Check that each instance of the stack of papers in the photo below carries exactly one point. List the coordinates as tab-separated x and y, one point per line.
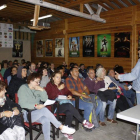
62	97
49	102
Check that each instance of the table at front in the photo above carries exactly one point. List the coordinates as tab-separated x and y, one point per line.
131	115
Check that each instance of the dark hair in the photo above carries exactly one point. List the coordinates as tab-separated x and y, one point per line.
90	68
40	70
2	85
53	75
13	68
71	69
32	77
81	65
109	71
22	61
60	67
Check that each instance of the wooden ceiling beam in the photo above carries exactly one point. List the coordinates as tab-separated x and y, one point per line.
109	4
118	3
104	6
127	3
136	2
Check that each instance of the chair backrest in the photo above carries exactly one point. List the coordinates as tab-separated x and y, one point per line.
16	98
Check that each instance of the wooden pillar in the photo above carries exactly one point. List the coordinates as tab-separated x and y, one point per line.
36	15
81	7
134	39
66	42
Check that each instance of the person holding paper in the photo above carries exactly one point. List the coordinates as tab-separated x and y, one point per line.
55	88
29	96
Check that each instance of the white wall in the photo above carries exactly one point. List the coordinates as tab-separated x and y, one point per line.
6	53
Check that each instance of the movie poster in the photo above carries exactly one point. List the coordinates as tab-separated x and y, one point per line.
49	47
17	49
59	47
39	48
6	35
139	40
74	46
122	45
104	45
88	46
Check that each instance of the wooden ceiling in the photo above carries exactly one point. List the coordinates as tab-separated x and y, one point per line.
19	12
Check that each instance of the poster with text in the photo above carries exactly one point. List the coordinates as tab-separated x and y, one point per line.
122	45
88	46
6	35
104	45
139	40
59	47
49	47
39	48
17	49
74	46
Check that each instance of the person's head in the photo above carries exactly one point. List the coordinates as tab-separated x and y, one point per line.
32	67
71	65
34	79
15	65
43	71
38	64
52	66
101	72
22	61
10	63
14	70
91	73
74	72
61	69
24	64
2	93
15	61
82	66
4	64
24	72
98	66
56	77
111	73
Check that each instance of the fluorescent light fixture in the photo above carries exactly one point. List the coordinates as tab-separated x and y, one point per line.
47	16
3	6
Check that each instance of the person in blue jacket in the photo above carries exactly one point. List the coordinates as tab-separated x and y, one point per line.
135	77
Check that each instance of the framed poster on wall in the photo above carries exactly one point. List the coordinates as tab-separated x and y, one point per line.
122	45
17	50
49	47
88	46
59	47
104	45
74	46
39	48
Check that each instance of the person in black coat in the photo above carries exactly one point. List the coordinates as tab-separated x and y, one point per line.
17	81
11	124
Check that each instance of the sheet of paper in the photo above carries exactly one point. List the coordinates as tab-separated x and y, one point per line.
49	102
62	97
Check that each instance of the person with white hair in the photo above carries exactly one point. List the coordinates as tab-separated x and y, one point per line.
108	97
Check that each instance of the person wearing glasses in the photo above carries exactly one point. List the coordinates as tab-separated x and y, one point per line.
29	96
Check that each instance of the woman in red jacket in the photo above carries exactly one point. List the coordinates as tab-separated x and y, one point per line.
55	88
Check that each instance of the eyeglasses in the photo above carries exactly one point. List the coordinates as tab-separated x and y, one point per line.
38	82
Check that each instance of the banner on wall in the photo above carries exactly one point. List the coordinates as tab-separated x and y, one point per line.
39	48
104	45
74	46
6	35
17	49
139	40
59	47
122	45
88	46
49	47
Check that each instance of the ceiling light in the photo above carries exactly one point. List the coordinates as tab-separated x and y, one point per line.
47	16
3	6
